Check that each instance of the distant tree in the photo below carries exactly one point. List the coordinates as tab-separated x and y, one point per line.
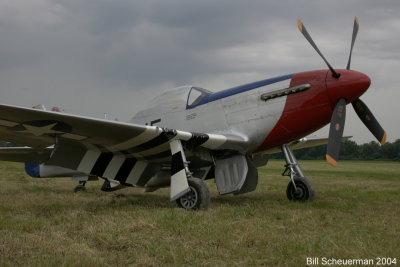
350	150
370	151
316	152
391	150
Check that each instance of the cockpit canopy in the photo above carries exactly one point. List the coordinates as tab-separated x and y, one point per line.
180	98
195	96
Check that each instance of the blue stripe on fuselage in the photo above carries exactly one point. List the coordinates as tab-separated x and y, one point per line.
239	89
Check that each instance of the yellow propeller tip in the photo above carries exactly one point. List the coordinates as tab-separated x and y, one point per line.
356	20
300	25
331	161
383	141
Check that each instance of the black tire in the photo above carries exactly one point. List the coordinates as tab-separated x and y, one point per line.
305	190
198	197
80	188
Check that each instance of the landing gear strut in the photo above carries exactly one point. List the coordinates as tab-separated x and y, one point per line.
81	187
190	193
299	187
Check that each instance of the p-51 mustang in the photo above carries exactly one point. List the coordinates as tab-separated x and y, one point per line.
191	134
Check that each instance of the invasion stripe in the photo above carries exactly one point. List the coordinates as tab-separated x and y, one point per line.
148	172
67	154
112	168
159	140
101	164
88	161
148	134
155	150
177	163
214	141
198	139
182	135
125	169
136	172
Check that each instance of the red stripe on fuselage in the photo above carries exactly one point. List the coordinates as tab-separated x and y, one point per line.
304	112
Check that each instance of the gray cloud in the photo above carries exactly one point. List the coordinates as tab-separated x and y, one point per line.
101	56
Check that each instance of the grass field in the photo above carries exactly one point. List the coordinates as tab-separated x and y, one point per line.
355	214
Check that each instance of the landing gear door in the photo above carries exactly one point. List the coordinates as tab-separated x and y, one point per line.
236	174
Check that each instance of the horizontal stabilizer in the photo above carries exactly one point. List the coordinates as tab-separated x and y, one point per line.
25	154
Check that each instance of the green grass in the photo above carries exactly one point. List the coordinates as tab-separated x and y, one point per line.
355	214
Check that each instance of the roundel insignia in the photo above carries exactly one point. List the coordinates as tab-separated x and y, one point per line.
47	128
367	117
42	127
337	126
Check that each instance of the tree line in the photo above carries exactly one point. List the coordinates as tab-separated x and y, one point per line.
349	150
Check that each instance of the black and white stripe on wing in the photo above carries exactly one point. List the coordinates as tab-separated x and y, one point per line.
163	138
125	170
101	163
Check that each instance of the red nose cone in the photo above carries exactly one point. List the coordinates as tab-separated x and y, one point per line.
350	85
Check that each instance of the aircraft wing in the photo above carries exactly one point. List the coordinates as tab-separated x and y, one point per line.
74	135
304	143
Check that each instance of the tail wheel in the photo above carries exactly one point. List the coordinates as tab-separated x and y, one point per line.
305	190
80	188
197	198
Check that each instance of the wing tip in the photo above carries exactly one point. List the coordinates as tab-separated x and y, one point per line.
331	161
383	141
300	25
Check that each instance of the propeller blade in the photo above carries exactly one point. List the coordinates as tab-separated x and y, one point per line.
310	40
336	132
353	39
369	120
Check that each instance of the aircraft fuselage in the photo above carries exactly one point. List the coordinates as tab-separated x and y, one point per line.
265	123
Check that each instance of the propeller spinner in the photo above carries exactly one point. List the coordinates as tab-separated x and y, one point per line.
339	112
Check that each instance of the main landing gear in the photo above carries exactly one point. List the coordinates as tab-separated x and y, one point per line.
299	187
197	198
190	193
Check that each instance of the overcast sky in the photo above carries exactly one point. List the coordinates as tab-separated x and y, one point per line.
94	57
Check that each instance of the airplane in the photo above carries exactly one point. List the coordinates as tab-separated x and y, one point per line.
190	134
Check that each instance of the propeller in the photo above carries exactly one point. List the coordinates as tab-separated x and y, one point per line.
369	120
339	113
353	40
305	33
336	132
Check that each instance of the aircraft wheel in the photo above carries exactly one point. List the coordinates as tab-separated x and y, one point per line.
80	188
197	198
305	190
